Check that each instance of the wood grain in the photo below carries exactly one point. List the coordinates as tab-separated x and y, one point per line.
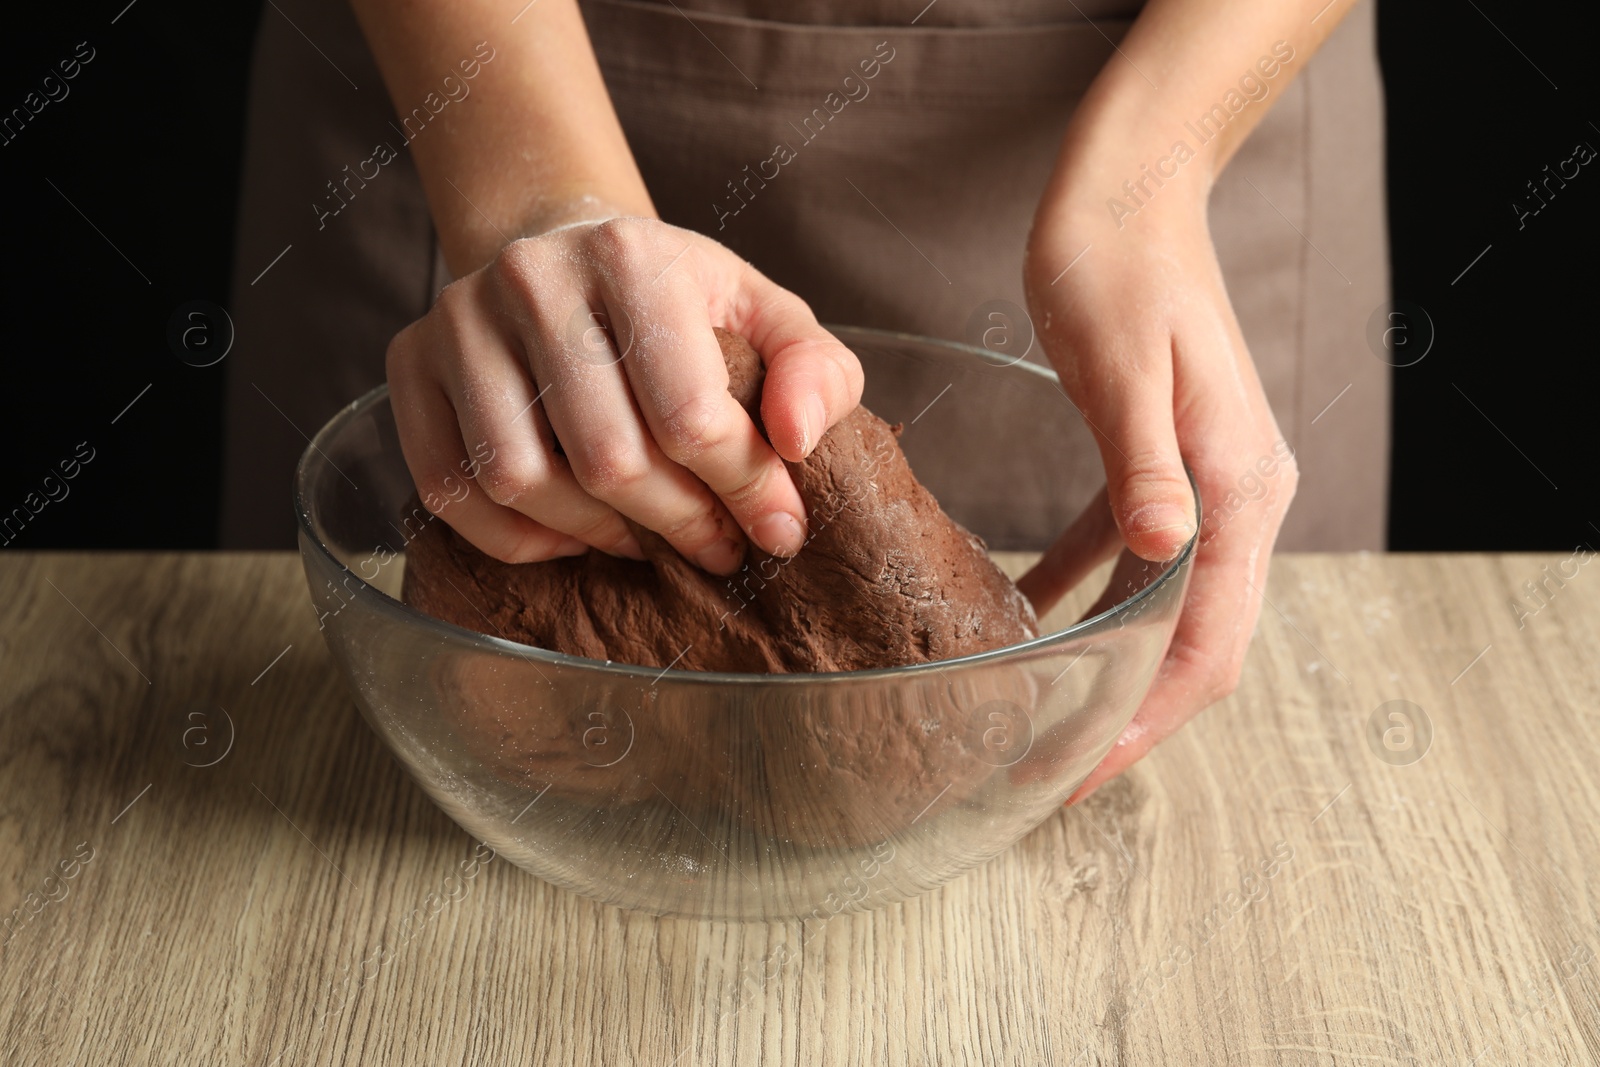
253	911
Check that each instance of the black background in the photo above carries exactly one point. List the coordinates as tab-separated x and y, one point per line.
1471	121
147	147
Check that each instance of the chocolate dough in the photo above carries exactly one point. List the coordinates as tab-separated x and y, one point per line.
829	766
886	579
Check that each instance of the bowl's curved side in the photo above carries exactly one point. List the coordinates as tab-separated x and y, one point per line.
713	795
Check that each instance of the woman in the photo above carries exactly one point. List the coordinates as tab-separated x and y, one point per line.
612	165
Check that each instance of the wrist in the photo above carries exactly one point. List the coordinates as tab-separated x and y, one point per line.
1104	200
1127	154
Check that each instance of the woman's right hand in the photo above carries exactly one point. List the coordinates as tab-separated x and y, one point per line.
576	380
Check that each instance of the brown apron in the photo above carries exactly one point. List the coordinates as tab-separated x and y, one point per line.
900	201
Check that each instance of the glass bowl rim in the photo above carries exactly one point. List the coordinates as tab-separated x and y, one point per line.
405	613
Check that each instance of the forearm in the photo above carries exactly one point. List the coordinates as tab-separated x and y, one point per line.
1190	81
527	143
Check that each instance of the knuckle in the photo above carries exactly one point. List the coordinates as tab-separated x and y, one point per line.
1216	673
522	545
695	530
838	372
608	468
1220	688
451	298
439	489
515	274
397	356
538	545
848	367
513	262
1150	473
693	428
824	355
1221	676
1289	477
754	487
604	528
1276	484
1221	685
618	240
510	477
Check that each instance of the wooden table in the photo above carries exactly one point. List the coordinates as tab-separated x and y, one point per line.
1264	889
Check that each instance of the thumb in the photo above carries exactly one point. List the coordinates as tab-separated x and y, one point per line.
1151	498
812	380
812	383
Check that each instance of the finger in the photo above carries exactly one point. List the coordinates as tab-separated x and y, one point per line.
1130	410
1092	539
430	439
1203	663
812	380
615	458
503	426
680	381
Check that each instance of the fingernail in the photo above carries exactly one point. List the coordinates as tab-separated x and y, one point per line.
779	533
812	420
723	557
629	546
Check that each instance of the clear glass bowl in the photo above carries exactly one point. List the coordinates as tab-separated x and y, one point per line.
747	796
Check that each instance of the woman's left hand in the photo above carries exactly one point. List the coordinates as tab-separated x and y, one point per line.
1136	320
